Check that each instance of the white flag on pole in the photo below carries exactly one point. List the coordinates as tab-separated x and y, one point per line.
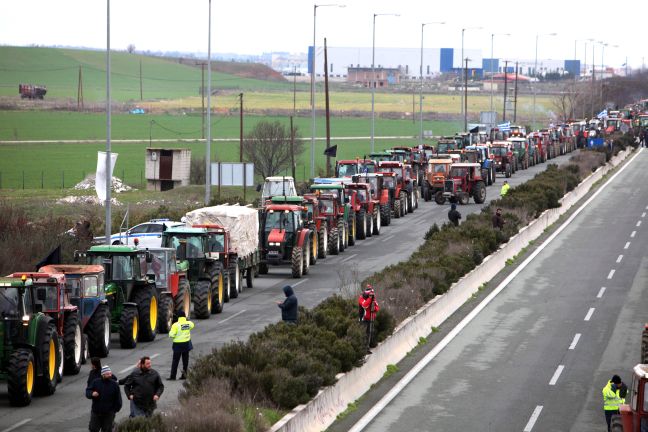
100	176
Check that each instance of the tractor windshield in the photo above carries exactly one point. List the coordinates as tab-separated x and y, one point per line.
326	206
216	243
458	171
50	304
368	167
389	182
362	195
439	168
9	302
118	266
499	151
194	246
347	170
279	220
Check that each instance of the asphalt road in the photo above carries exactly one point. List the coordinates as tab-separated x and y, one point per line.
68	410
537	356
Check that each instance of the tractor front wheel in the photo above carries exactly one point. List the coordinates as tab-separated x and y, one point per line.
508	172
50	362
129	328
306	255
314	247
370	225
72	344
322	243
98	331
385	212
218	292
397	208
377	222
165	317
21	374
334	242
183	297
479	193
147	308
297	262
439	198
463	198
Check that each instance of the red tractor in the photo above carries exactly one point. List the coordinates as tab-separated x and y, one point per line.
367	210
633	417
380	192
465	180
316	223
349	168
331	210
505	160
406	185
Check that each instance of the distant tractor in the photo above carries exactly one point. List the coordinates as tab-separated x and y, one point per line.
505	161
465	181
31	91
380	191
30	349
436	172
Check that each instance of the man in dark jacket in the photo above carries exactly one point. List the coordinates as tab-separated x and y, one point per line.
143	387
106	401
454	215
289	306
498	220
95	371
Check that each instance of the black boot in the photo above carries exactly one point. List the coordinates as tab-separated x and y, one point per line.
183	376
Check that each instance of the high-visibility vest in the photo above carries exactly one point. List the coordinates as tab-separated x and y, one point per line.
611	399
504	189
181	330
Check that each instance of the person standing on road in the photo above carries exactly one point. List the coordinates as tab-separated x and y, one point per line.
289	306
106	401
612	398
454	214
504	190
498	220
95	371
368	309
181	335
143	387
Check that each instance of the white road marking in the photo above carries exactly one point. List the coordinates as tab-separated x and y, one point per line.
295	284
389	237
627	245
638	223
620	258
17	425
600	293
556	375
380	405
123	371
533	419
575	341
589	314
611	274
643	214
240	312
633	233
350	257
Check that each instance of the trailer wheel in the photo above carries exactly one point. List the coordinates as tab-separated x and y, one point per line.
249	277
21	375
72	344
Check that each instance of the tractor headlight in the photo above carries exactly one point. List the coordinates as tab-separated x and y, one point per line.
25	320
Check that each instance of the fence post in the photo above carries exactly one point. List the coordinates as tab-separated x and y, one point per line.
23	179
63	179
0	180
42	182
123	176
141	179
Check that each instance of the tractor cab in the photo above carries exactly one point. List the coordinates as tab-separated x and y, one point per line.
445	145
277	185
349	168
380	156
465	180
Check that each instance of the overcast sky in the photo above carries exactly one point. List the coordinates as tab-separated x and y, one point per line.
257	26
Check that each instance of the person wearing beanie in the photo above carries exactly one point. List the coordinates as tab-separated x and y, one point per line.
613	398
289	306
106	401
454	215
181	335
95	371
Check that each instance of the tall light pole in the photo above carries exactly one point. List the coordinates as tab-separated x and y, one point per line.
492	72
108	129
315	6
463	30
208	141
373	77
535	73
421	89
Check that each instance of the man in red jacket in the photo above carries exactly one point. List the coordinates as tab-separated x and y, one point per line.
368	308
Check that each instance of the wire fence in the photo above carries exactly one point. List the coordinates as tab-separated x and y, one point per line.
62	179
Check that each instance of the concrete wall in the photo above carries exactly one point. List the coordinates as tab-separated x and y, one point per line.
321	412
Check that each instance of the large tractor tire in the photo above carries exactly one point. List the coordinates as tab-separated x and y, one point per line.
404	200
217	290
334	242
342	234
227	286
439	198
353	230
72	344
347	235
322	243
426	191
385	213
416	194
98	331
21	374
377	221
182	300
235	277
361	222
397	208
147	308
314	246
479	193
508	171
370	225
411	202
297	262
463	198
129	328
249	277
616	424
263	268
202	299
644	347
306	248
50	353
165	314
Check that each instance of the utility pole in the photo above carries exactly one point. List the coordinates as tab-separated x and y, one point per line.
202	97
328	114
465	110
141	90
241	129
515	94
80	91
505	89
292	147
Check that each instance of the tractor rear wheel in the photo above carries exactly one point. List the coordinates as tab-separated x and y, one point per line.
297	262
218	290
342	235
249	277
98	331
439	198
306	248
322	243
314	246
361	218
165	316
183	298
50	361
347	235
463	198
385	213
202	299
508	172
416	197
147	308
397	208
479	192
370	225
411	202
21	374
644	347
353	230
263	268
85	354
334	242
377	217
72	344
129	327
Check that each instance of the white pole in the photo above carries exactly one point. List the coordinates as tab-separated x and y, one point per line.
312	170
372	83
208	144
108	129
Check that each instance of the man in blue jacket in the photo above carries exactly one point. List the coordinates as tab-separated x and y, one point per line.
106	401
288	306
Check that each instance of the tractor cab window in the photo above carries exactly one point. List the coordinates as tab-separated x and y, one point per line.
90	286
122	268
347	170
368	168
216	243
326	206
297	220
28	302
439	169
362	195
9	302
459	172
74	286
194	247
50	294
389	182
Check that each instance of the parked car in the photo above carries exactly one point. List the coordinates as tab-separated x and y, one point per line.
144	235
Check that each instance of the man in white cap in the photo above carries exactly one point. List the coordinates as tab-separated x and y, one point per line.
106	401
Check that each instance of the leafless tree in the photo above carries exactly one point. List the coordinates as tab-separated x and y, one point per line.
130	48
268	147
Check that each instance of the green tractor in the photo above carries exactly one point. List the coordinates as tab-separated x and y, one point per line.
195	247
132	296
30	350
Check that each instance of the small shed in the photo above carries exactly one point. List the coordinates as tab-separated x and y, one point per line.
167	168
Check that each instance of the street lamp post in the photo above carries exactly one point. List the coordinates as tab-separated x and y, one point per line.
492	72
373	77
421	88
315	6
463	30
108	184
208	143
535	73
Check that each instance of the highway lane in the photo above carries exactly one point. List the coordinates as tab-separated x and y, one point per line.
538	355
68	410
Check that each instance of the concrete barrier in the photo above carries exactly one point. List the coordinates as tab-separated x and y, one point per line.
322	411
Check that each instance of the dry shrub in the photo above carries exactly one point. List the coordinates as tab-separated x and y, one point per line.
403	302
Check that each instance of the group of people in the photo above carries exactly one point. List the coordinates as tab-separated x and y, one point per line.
143	386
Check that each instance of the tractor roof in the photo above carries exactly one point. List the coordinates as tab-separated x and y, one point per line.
439	161
390	164
69	269
210	227
466	165
113	249
500	143
279	199
516	139
278	178
14	282
185	230
42	277
330	186
283	208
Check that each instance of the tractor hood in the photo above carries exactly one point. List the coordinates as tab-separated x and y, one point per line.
277	236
